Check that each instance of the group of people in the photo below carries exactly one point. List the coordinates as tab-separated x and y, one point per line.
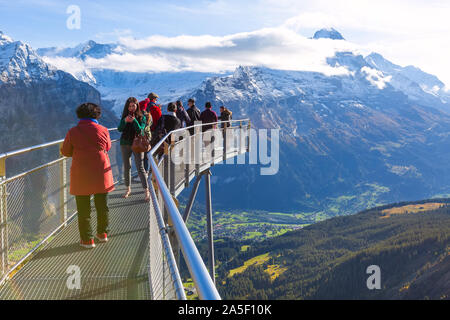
88	144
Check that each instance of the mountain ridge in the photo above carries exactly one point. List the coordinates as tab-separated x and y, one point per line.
337	132
329	260
37	102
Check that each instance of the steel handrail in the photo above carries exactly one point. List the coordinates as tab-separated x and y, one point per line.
178	284
200	275
202	280
36	147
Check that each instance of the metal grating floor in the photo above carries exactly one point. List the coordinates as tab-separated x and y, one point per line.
113	270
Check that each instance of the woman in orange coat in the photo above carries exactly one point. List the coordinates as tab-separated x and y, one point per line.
88	144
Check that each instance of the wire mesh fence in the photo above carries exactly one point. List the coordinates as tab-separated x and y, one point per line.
182	157
162	272
36	203
191	154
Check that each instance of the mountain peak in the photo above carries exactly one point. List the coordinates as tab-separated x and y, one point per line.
4	38
18	61
328	33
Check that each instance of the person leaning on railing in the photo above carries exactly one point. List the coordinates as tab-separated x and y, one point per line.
208	116
90	174
225	115
194	115
132	123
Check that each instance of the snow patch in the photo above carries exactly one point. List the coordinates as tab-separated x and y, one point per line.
376	77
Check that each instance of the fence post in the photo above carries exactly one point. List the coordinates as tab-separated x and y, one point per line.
198	150
166	175
209	225
3	219
187	159
224	142
172	167
169	179
249	127
240	137
63	190
212	143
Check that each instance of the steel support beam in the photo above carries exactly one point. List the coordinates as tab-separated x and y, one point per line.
209	226
188	209
63	190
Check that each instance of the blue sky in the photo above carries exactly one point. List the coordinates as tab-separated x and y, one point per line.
42	23
405	31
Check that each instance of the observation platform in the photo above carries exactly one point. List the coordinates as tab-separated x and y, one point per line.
40	255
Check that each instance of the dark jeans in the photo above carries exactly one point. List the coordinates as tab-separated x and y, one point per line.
84	215
146	162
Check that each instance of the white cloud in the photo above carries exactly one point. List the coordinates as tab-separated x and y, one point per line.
407	32
277	48
73	66
178	42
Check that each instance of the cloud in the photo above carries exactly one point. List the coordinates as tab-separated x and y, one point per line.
74	66
277	48
407	32
179	42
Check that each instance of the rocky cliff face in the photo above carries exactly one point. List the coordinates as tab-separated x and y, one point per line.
347	142
37	101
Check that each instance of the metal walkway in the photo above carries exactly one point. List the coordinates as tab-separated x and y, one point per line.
114	270
40	256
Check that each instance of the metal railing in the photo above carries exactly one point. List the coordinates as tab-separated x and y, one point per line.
36	204
175	161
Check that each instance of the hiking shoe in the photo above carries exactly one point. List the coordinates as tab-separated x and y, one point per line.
102	237
87	244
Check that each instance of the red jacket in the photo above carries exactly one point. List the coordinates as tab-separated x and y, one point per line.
91	172
156	113
143	105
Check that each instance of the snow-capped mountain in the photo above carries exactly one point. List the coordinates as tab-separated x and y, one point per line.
18	61
116	86
347	141
82	51
418	85
377	132
330	33
38	101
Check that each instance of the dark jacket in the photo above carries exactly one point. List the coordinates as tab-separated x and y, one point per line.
194	115
183	116
171	123
208	116
226	115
